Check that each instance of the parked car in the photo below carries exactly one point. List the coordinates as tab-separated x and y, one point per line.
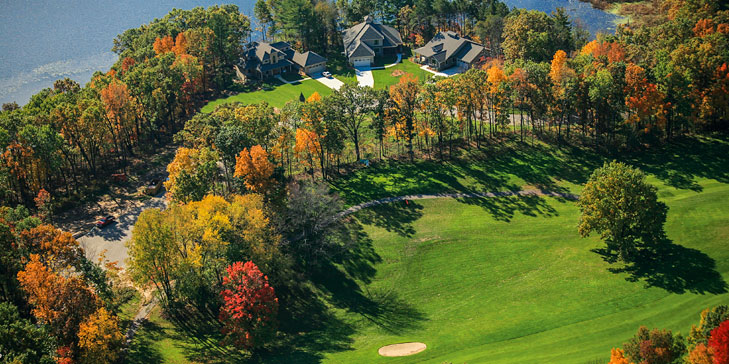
326	74
104	221
153	187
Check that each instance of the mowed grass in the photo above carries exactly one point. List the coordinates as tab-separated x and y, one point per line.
384	78
497	280
529	290
276	96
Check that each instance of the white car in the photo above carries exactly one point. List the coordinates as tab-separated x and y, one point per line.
326	74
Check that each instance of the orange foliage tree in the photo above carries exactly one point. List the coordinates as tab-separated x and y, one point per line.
62	303
163	45
255	168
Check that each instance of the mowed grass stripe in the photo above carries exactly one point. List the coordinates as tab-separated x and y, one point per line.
530	290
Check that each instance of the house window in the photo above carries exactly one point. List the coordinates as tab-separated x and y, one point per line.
376	42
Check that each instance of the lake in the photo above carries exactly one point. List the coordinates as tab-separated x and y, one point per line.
44	40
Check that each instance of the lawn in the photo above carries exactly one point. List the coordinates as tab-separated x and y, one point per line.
276	94
384	78
497	280
478	288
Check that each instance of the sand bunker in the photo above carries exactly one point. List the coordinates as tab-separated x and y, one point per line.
403	349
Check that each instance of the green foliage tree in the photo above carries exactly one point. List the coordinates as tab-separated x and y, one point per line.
623	208
21	341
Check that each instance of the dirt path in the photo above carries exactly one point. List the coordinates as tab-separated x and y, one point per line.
381	201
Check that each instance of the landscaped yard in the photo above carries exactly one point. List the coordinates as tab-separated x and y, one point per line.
497	280
276	94
384	77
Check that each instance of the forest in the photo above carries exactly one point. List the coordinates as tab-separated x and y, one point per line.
250	207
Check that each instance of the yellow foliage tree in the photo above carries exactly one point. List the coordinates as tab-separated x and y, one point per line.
100	338
255	168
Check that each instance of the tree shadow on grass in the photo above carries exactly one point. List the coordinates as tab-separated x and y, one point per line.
394	217
200	330
672	267
681	162
504	208
141	350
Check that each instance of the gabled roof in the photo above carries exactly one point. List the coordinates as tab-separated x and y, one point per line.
449	44
369	30
282	46
307	59
360	49
264	51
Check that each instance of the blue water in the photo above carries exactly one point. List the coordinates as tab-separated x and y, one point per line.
594	20
44	40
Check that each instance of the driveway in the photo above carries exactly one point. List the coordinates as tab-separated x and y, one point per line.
332	83
444	73
364	76
113	237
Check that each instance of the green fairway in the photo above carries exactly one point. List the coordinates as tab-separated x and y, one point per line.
384	78
494	280
477	289
277	96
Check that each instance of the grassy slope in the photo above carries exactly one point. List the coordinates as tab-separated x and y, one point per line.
384	79
277	96
501	280
529	290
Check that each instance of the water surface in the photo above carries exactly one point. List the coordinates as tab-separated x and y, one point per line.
44	40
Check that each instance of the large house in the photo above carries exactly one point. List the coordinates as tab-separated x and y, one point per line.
366	40
448	49
262	60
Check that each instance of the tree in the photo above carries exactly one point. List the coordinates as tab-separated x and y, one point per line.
249	307
710	319
655	347
62	303
99	338
355	103
617	357
152	252
719	343
310	223
255	168
701	354
21	341
192	174
404	96
623	208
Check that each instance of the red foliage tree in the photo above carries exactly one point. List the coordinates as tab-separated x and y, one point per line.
719	343
250	306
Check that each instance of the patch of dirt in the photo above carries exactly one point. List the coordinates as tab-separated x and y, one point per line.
120	198
397	73
403	349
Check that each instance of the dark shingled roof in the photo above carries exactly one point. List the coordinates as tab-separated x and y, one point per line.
369	30
307	59
449	44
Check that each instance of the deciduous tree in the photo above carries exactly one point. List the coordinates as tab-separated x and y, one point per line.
99	338
249	307
623	208
255	168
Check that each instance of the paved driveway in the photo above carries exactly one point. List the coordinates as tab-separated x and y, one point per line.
113	237
364	76
444	73
332	83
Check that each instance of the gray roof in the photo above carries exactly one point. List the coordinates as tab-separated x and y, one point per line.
264	51
257	52
449	44
359	49
307	59
369	30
